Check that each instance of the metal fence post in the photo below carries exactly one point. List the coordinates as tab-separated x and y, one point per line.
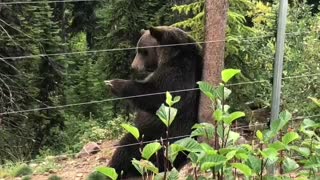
278	66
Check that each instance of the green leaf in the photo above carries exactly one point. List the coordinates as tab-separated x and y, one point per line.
269	153
150	149
227	74
176	99
167	114
290	165
132	130
233	116
204	130
233	137
277	125
109	172
212	161
259	135
227	93
168	99
316	101
207	89
307	123
231	154
208	149
277	146
218	114
189	144
137	165
242	155
174	150
246	170
289	137
171	175
304	151
254	163
143	166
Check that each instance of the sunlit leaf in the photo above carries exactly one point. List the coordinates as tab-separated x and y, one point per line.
207	89
174	150
167	114
289	137
150	149
233	116
259	135
189	144
227	74
109	172
212	161
132	130
204	130
246	170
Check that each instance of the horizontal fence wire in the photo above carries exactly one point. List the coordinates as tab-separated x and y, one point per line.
143	95
112	146
144	47
47	2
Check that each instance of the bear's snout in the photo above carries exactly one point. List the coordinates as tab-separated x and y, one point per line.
137	65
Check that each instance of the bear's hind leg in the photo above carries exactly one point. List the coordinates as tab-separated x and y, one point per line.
121	159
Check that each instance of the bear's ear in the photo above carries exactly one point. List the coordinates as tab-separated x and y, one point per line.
142	31
156	33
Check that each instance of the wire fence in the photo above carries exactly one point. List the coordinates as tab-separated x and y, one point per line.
144	47
115	146
141	95
144	95
47	2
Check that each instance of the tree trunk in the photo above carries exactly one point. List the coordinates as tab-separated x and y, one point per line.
215	30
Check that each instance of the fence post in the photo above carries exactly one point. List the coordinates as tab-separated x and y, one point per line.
278	67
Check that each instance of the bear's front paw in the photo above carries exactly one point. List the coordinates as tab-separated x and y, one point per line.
117	86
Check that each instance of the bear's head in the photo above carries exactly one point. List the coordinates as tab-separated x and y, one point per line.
158	44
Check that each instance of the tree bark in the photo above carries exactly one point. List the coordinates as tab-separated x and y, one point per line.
215	30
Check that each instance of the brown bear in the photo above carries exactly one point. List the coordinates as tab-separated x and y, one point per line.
175	60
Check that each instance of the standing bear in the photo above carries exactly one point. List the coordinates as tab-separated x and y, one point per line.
175	61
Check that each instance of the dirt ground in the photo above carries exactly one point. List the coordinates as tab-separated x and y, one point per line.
80	168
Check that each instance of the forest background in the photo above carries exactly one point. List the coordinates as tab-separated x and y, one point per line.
37	69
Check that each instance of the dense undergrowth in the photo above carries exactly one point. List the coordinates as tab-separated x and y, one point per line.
293	152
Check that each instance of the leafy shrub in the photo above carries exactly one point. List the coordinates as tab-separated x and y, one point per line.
26	178
80	130
96	176
54	177
21	170
296	153
48	164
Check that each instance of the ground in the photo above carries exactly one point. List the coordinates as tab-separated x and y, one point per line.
79	168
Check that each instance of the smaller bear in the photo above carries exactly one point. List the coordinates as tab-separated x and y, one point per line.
175	61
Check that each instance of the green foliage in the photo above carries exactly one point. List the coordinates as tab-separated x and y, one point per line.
144	166
132	130
223	160
26	178
47	164
109	172
72	78
54	177
250	46
150	149
96	176
21	170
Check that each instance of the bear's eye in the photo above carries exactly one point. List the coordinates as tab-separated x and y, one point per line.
144	52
